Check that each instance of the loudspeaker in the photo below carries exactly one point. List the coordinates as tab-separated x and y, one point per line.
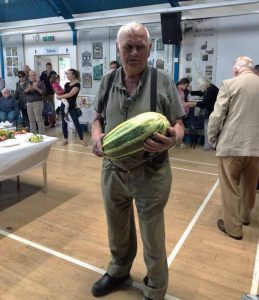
171	28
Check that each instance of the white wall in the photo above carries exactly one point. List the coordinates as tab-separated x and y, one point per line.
63	44
230	37
237	36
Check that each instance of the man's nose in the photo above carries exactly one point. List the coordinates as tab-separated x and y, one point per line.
134	51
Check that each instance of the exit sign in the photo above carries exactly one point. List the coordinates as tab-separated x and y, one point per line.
49	38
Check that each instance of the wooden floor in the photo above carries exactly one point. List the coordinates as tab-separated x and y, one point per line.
54	246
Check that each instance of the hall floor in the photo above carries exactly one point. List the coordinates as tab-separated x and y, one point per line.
54	246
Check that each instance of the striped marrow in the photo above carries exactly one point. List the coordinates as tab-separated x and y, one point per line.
128	137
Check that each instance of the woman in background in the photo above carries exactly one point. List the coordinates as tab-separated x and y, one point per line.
71	90
210	92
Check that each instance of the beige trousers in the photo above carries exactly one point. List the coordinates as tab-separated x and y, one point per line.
34	110
238	177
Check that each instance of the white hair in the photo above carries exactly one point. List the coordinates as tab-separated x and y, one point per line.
203	83
5	90
131	28
243	62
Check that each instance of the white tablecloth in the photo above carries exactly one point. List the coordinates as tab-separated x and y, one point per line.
15	160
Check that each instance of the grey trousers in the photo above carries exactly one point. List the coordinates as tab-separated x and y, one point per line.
238	177
34	110
150	187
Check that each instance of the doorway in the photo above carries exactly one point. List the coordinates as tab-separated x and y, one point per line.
60	63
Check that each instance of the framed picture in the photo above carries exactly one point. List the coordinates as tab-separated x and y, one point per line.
86	59
98	72
160	64
97	50
14	51
159	45
8	51
87	80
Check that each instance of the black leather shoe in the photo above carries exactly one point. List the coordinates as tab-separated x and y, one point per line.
106	284
221	227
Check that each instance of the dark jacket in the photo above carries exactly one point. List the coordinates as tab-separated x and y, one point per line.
209	99
20	95
45	78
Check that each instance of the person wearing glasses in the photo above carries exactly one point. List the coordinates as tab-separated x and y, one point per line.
21	97
149	184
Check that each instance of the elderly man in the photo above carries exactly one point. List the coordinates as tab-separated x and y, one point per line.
149	184
234	125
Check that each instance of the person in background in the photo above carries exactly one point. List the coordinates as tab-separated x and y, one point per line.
49	94
26	69
8	107
71	91
54	82
234	128
34	91
114	65
183	90
21	97
149	183
207	105
256	71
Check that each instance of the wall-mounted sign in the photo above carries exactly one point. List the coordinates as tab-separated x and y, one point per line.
50	50
48	38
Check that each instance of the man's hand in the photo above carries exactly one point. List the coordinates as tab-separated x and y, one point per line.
159	142
97	144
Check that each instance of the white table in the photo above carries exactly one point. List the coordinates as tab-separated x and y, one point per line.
17	159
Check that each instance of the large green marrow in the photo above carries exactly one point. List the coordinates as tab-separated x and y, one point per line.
128	137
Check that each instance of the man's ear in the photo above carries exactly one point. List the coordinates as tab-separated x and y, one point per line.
117	48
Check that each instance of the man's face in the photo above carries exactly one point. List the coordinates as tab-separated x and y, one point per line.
134	50
32	76
113	67
5	93
48	68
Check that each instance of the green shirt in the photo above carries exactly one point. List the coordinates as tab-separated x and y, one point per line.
120	108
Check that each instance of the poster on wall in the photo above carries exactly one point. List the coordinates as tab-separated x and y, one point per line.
97	50
87	80
86	59
12	61
98	72
199	48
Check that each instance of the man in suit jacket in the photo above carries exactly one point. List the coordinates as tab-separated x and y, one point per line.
234	123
